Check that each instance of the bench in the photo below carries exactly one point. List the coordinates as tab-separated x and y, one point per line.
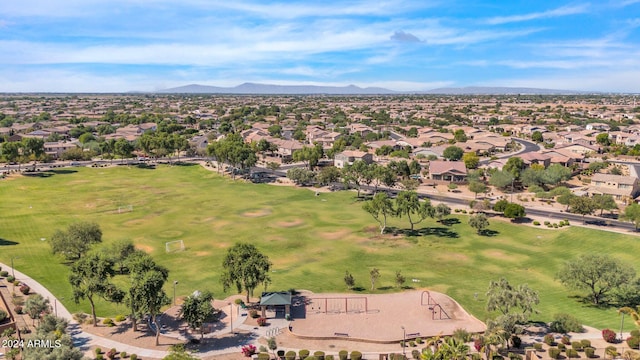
414	335
341	334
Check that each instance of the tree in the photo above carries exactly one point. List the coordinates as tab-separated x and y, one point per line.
139	263
532	176
582	205
555	174
76	240
328	175
11	151
408	203
379	207
374	275
452	153
479	222
178	352
477	187
514	166
400	280
566	198
597	273
355	173
500	205
515	304
123	148
349	280
36	306
632	214
273	166
537	136
151	295
196	309
604	202
459	136
52	330
301	176
471	160
90	277
33	147
514	211
501	179
441	211
603	139
246	268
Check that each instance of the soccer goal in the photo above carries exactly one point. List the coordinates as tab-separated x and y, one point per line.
126	208
173	246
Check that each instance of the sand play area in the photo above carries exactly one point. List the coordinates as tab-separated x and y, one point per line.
378	318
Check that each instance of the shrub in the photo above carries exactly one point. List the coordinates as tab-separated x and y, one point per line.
537	346
108	322
415	354
514	356
562	346
290	355
565	323
262	321
263	356
572	353
635	332
576	345
554	352
133	357
462	335
633	342
238	301
303	354
478	344
25	289
4	273
548	339
123	354
565	340
516	341
609	335
536	223
254	313
111	354
98	351
343	354
262	348
476	356
248	350
412	343
120	318
99	357
3	315
10	279
547	223
611	351
18	309
328	357
16	283
589	352
403	344
419	340
585	343
319	355
356	355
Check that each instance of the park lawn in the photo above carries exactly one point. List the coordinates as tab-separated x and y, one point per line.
311	240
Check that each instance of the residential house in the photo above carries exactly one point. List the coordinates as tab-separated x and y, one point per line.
531	158
622	188
56	149
286	148
348	157
447	171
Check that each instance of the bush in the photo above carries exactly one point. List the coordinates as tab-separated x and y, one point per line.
611	351
514	356
10	279
262	321
420	341
263	356
537	346
328	357
562	346
565	323
609	335
18	309
415	354
536	223
462	335
4	273
589	352
99	357
111	354
565	340
576	345
238	301
98	351
548	339
108	322
290	355
133	357
554	352
123	354
303	354
516	341
343	354
585	343
356	355
319	355
3	315
635	332
547	223
248	350
633	342
25	289
254	313
263	349
412	343
572	353
120	318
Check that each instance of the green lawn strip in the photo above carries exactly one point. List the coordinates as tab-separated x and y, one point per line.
312	240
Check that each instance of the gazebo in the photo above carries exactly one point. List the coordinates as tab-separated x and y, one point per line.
282	298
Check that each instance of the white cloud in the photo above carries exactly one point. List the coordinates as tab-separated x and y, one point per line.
604	81
561	11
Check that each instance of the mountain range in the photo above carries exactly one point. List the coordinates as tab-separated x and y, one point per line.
269	89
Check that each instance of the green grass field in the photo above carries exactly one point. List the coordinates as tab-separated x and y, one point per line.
311	240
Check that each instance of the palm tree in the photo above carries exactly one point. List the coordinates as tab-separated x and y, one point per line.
454	349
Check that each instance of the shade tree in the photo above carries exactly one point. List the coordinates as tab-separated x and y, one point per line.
76	240
245	267
408	204
380	208
196	309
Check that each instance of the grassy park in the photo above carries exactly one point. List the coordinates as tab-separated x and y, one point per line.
311	240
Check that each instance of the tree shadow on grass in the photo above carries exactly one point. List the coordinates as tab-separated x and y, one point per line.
438	231
146	166
184	164
5	242
587	301
63	171
49	173
385	288
488	233
358	288
450	221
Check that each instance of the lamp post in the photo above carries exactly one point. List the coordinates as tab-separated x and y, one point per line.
175	282
621	327
404	340
231	315
12	271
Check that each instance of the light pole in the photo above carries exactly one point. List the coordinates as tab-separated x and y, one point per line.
231	316
621	327
404	340
175	282
12	271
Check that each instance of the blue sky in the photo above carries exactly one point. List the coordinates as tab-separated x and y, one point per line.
123	45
